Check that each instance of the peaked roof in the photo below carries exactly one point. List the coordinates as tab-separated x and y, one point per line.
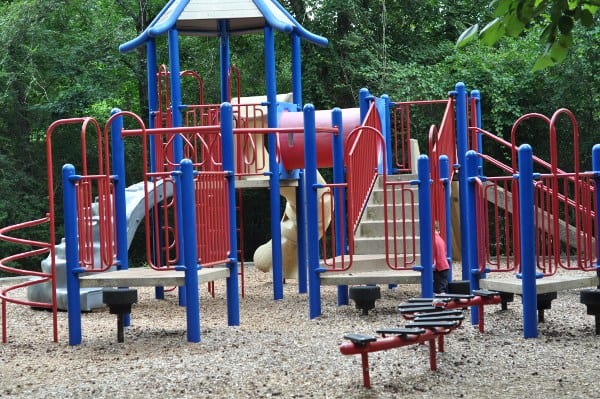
205	17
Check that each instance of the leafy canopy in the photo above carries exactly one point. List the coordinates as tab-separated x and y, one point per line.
557	17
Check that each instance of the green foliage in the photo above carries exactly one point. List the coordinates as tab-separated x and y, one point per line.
557	17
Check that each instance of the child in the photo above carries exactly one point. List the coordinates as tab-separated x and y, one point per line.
441	269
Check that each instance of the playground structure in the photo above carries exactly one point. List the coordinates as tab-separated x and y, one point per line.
197	155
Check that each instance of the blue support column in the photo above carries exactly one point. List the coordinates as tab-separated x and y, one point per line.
527	241
118	165
339	197
312	209
477	96
274	185
296	69
301	234
426	238
72	253
233	302
190	255
224	60
118	162
151	71
364	98
461	150
596	169
177	119
471	261
445	177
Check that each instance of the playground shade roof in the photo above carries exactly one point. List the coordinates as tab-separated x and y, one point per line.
206	18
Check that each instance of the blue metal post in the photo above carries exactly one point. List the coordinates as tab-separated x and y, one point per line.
296	69
364	98
176	105
384	115
72	254
177	119
596	169
233	302
190	255
445	177
470	262
339	199
151	71
118	164
301	234
527	241
274	185
426	239
224	51
477	96
118	158
461	150
312	209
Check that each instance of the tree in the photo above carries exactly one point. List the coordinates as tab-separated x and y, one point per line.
558	17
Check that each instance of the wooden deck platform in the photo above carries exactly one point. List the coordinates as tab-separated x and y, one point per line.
367	269
147	277
373	277
543	285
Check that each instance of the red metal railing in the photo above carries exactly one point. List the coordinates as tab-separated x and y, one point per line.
96	227
366	147
401	211
564	206
87	128
402	127
442	141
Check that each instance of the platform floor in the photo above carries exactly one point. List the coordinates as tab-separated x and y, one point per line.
374	277
147	277
543	285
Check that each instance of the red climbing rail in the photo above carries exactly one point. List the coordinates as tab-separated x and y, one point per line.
564	204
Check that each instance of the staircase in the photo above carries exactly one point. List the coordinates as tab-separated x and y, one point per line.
370	264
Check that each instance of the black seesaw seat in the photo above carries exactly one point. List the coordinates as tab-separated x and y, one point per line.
444	302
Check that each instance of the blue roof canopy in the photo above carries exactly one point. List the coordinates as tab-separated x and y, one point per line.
203	17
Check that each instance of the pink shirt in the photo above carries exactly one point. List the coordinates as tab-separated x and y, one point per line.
440	261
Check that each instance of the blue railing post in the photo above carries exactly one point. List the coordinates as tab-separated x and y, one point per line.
471	261
190	255
224	59
118	165
312	209
445	177
477	96
118	158
461	150
426	239
364	98
151	71
72	253
527	241
301	234
339	199
296	68
227	150
274	184
596	169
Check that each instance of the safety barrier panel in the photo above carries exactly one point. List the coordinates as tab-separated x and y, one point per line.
401	211
402	127
365	146
564	206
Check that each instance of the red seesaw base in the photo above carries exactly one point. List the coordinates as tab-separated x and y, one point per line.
430	320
